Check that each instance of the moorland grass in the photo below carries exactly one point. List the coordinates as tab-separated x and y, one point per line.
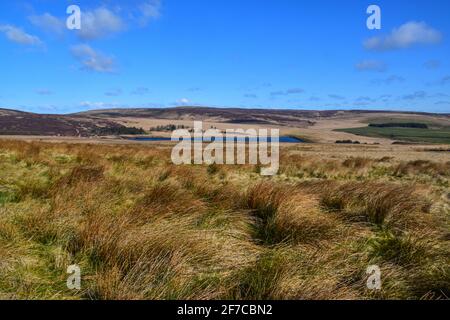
142	228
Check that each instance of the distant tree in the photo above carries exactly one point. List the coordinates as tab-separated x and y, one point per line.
399	125
113	131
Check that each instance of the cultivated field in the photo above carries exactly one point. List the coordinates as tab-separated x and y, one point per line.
142	228
405	129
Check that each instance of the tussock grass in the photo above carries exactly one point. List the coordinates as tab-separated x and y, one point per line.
142	228
288	214
423	167
384	204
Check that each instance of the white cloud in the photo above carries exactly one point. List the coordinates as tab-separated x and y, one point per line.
371	65
17	35
48	23
407	35
183	101
99	23
99	105
150	10
115	105
92	60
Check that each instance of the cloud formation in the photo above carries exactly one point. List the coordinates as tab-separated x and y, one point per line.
389	80
48	23
416	95
92	60
99	105
183	102
287	92
407	35
19	36
99	23
371	65
150	10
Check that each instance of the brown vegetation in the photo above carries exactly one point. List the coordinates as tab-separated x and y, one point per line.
143	228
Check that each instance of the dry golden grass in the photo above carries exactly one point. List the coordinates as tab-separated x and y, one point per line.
142	228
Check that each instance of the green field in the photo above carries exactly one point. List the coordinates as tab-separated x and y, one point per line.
403	134
438	123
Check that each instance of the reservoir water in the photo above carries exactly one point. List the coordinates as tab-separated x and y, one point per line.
282	139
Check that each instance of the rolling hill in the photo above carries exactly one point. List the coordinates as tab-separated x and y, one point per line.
319	125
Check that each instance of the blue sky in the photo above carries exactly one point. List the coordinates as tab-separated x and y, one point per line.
231	53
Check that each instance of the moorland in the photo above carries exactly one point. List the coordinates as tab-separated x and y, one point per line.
140	227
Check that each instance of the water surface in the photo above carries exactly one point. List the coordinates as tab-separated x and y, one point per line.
282	139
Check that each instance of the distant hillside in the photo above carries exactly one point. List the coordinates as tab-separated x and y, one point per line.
165	113
238	115
23	123
100	122
228	115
